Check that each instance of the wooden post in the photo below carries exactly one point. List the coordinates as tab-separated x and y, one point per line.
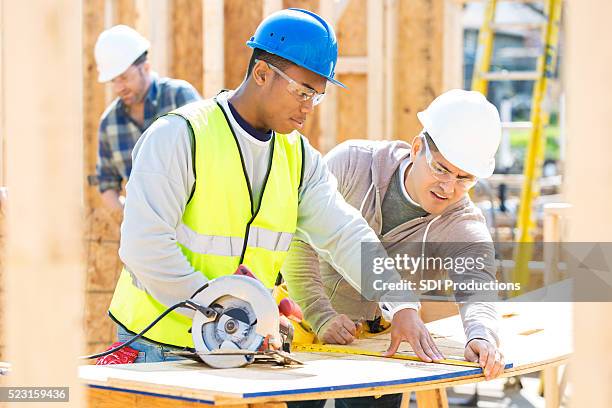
435	398
213	55
553	233
376	64
419	62
270	6
391	8
158	20
452	58
241	20
187	42
328	110
588	170
42	103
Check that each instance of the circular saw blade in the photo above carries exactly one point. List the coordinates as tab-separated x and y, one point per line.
247	314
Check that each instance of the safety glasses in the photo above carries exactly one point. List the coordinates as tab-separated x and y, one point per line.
300	92
443	175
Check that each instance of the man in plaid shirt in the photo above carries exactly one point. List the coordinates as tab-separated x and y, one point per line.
142	96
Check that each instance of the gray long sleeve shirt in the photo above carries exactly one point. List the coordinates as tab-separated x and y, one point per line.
158	190
364	170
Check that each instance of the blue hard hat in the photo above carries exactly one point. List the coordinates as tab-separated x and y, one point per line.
301	37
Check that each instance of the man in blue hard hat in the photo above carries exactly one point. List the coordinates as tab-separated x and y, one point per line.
231	180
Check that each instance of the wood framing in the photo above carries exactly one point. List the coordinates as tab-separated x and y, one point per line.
241	20
270	6
586	185
187	42
419	62
43	124
213	56
376	64
158	19
328	111
452	47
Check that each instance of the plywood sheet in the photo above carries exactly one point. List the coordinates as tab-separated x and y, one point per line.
531	341
352	113
320	374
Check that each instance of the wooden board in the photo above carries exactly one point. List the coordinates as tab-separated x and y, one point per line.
531	342
42	119
418	77
187	42
241	19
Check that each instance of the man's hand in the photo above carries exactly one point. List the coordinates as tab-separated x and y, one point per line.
408	326
487	355
338	330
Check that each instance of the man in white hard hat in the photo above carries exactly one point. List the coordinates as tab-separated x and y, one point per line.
142	96
410	194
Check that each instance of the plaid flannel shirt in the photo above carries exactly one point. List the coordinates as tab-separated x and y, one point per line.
118	132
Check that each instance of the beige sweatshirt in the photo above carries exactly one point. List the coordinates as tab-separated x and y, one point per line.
364	170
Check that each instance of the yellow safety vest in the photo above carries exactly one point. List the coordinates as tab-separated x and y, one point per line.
220	228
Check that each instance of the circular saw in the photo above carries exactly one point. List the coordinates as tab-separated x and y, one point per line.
245	324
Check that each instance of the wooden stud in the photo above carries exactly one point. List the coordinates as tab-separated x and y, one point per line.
352	65
43	124
213	22
419	62
452	58
2	143
158	17
390	46
555	215
375	86
435	398
328	110
125	12
271	6
585	186
241	20
352	111
94	99
551	387
187	42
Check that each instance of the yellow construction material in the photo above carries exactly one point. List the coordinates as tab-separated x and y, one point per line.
535	150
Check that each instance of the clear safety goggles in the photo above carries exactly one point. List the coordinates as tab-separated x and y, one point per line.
443	175
300	92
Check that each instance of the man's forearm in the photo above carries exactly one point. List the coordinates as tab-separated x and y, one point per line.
112	200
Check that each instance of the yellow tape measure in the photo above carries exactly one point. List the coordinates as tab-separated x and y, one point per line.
328	348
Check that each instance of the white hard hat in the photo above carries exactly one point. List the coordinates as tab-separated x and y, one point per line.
116	49
466	130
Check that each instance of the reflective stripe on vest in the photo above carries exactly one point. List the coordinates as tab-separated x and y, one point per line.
220	218
232	246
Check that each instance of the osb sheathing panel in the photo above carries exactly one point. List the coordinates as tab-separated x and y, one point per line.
101	225
241	20
98	326
103	265
93	93
187	42
351	30
352	117
418	65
